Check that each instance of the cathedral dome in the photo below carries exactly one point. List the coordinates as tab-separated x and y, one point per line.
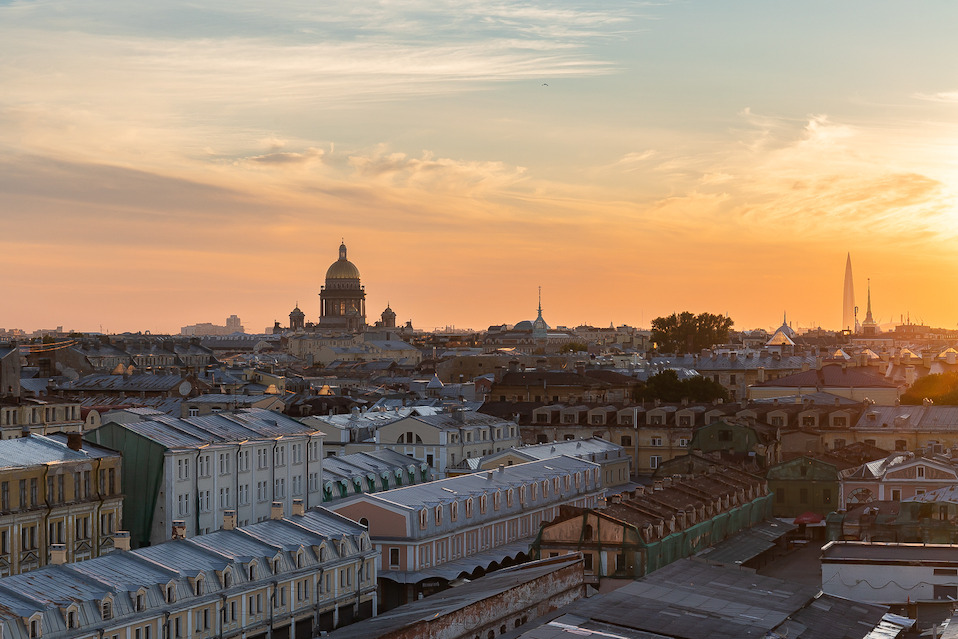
342	269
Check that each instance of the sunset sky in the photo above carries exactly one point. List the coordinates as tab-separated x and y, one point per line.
168	163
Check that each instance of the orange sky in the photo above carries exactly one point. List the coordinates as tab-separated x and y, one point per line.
171	165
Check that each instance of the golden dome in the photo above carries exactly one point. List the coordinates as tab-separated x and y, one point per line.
342	269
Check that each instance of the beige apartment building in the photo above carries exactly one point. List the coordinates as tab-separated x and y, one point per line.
56	491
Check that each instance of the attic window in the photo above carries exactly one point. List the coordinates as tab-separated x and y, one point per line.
170	593
106	609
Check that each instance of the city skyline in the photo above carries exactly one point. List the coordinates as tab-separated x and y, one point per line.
172	164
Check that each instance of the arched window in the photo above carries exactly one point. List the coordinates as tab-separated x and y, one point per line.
364	522
587	532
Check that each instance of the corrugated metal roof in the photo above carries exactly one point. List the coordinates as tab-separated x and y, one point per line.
190	432
37	449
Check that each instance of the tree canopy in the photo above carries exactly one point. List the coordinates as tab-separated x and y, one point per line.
667	387
689	333
941	389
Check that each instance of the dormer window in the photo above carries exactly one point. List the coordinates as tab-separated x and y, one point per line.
227	578
198	585
300	558
106	609
469	507
36	626
438	515
482	504
423	518
73	620
251	571
535	491
454	511
496	500
170	593
140	600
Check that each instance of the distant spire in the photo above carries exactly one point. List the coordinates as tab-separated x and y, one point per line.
848	298
540	301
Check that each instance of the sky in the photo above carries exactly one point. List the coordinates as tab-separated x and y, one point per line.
171	163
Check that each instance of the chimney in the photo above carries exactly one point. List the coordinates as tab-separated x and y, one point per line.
74	441
667	482
639	491
804	366
502	468
298	509
616	499
229	519
58	554
276	510
490	474
179	529
121	540
25	430
657	485
761	374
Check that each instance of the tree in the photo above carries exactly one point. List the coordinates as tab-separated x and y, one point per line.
941	389
667	387
689	333
573	347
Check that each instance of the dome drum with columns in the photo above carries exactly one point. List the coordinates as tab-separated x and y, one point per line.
343	299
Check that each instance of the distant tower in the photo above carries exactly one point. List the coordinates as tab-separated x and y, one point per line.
848	302
869	326
297	319
389	317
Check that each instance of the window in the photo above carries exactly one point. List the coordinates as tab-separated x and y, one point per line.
203	466
896	494
469	507
654	461
224	459
901	444
656	441
394	558
182	468
921	471
803	495
106	609
840	422
626	440
725	435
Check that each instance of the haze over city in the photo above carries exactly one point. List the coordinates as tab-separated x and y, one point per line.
178	162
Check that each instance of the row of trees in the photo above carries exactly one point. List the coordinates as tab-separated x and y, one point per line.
941	389
689	333
667	387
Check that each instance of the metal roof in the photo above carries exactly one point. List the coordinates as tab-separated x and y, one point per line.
747	544
37	449
690	599
447	490
218	428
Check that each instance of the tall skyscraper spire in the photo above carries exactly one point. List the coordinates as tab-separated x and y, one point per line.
848	301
